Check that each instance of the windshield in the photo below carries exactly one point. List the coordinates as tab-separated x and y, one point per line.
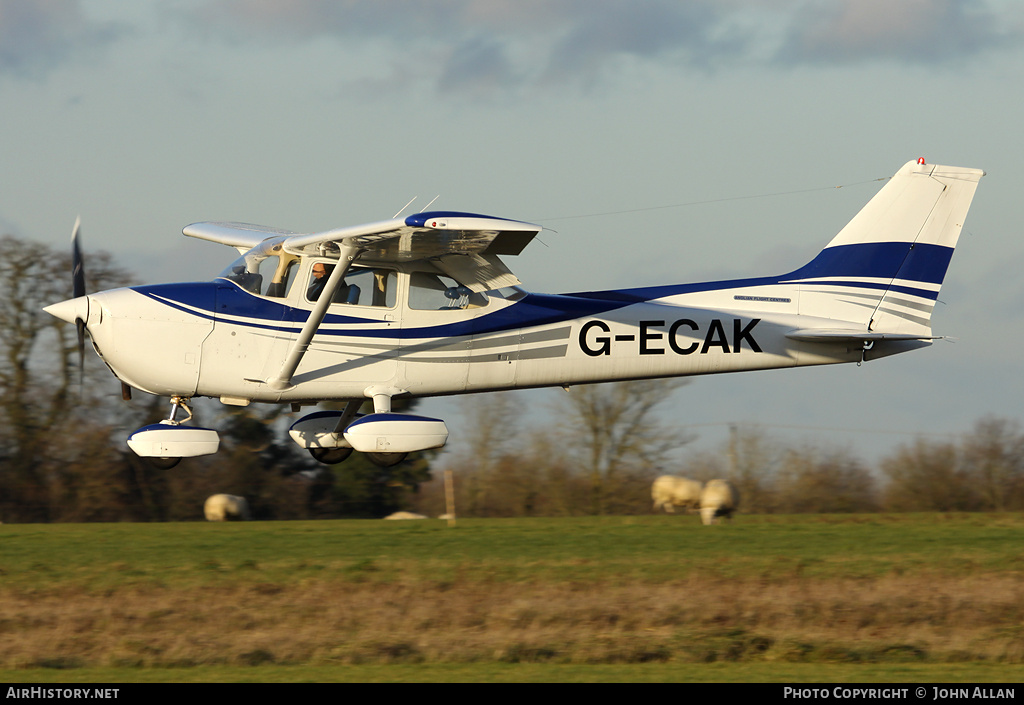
264	270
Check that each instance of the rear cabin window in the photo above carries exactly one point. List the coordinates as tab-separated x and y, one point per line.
436	292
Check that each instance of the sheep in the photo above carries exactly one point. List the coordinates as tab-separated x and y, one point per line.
405	515
719	499
669	492
226	507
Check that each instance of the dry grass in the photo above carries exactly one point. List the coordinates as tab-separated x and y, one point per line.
915	618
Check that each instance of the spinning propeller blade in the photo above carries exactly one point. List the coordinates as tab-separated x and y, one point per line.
77	269
78	289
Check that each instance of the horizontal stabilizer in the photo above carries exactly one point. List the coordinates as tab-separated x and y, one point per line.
839	335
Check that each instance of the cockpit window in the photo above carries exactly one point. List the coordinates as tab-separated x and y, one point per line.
439	292
362	286
265	270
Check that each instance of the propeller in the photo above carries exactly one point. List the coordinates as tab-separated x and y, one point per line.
76	309
78	290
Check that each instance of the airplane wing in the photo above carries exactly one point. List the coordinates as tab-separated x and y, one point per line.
463	245
425	235
241	236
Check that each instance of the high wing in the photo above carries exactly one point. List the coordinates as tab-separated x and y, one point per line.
241	236
464	245
425	235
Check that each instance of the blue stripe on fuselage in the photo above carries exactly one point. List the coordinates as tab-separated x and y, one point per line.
881	260
873	260
205	299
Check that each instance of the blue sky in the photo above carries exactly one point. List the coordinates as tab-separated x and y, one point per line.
653	138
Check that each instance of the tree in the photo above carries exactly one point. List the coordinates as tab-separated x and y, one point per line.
489	430
38	373
928	476
993	457
754	462
812	480
619	441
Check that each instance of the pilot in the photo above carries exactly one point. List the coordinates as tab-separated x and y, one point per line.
319	280
321	273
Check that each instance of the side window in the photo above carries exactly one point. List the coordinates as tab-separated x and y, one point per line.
362	286
370	287
429	292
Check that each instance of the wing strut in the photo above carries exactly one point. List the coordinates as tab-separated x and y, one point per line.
283	380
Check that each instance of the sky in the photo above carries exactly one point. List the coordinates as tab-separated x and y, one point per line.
657	141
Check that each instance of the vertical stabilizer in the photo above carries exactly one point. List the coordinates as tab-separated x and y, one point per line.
883	270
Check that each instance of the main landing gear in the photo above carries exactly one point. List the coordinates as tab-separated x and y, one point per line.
384	437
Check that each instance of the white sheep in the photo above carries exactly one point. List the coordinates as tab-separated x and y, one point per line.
669	492
404	515
719	499
226	507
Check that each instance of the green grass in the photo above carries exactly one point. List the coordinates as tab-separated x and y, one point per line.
925	597
572	549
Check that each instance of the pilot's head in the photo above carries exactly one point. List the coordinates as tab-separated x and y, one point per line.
319	270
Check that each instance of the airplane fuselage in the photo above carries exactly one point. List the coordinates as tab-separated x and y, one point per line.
217	340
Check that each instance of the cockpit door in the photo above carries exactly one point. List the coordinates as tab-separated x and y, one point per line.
357	343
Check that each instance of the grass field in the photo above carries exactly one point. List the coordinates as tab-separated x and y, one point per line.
921	598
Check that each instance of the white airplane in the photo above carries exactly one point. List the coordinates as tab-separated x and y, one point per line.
423	306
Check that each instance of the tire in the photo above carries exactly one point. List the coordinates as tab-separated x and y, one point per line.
330	456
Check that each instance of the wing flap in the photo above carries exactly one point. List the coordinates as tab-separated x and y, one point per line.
478	272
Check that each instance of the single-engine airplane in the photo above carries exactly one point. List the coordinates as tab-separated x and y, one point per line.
423	305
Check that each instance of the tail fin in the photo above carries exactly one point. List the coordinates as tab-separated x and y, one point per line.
884	269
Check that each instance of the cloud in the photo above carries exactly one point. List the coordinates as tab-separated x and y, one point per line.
477	64
690	34
492	45
911	31
39	35
499	44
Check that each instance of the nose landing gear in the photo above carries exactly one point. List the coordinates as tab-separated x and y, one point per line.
164	444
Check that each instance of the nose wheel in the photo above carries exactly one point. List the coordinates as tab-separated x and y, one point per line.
164	444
